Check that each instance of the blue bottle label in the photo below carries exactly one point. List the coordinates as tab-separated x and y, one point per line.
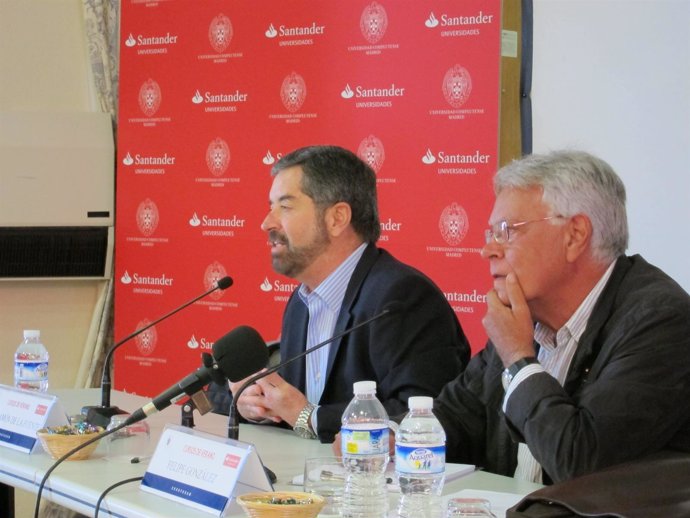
31	370
420	459
364	441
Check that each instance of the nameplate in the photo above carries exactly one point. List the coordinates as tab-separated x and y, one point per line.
202	470
23	413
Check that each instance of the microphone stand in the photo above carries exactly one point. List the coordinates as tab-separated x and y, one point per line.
100	415
233	417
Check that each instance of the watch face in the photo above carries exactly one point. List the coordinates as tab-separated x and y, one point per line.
305	433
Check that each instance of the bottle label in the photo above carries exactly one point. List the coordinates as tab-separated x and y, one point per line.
31	370
361	441
420	459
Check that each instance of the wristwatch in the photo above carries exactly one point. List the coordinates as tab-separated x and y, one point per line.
512	371
302	426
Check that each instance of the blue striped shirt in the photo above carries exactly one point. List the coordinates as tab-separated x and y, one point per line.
324	304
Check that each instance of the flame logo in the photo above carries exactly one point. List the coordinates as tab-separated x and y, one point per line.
130	42
192	343
197	99
128	160
347	92
268	158
194	221
428	158
126	279
431	22
271	32
266	286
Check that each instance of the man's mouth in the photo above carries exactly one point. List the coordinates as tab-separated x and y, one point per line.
275	241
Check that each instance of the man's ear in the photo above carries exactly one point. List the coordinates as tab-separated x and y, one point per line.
338	218
578	236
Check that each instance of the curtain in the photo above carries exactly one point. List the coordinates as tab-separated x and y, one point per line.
102	34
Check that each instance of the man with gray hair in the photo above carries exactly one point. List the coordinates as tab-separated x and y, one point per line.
588	359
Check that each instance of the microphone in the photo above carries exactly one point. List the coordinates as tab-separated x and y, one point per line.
100	415
235	356
233	417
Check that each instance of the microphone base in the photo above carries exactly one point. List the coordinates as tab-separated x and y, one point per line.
100	415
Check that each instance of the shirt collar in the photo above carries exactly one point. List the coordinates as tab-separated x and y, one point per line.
577	322
332	289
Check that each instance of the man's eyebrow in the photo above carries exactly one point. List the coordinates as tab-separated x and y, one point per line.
284	197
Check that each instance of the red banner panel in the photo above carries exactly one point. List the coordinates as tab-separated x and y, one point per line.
212	93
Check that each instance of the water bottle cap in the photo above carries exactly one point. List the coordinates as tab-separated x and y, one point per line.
420	402
364	387
32	333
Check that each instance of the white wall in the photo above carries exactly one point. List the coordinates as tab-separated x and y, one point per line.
613	77
44	69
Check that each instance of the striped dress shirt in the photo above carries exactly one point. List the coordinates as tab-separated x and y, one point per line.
324	304
556	351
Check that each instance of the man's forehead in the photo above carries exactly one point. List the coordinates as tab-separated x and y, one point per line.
287	184
521	203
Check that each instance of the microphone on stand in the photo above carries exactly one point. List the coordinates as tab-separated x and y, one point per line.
233	416
100	415
235	356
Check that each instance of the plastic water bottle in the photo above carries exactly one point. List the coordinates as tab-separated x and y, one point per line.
364	435
420	461
31	363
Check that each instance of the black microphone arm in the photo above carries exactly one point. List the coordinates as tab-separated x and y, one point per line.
100	415
235	356
233	417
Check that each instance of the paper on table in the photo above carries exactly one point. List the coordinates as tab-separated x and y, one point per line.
500	502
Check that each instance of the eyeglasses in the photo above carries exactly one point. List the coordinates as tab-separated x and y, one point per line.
500	232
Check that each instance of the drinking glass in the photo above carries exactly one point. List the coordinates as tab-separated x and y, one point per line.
131	441
325	476
469	508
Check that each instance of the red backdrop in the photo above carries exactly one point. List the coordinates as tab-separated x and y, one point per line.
213	92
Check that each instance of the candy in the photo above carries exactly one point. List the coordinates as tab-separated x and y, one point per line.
82	428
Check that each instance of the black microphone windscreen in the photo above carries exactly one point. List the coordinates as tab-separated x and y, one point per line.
240	353
224	283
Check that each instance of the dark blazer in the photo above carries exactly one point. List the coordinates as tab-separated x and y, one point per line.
625	395
411	352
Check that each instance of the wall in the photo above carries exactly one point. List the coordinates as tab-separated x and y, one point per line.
612	77
43	68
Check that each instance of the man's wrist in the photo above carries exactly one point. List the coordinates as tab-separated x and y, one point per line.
303	423
511	371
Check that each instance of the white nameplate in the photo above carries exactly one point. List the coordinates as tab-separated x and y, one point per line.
203	471
23	412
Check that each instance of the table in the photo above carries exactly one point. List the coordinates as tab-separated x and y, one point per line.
78	484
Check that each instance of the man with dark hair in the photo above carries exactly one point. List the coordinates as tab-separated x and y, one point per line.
322	227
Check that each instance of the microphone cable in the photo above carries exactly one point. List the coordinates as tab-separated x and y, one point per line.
109	489
67	455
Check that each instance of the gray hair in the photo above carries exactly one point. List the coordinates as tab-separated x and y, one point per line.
332	174
575	182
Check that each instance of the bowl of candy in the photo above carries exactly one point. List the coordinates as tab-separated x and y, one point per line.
281	504
58	440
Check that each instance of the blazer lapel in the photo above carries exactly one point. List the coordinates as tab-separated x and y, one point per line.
365	263
590	346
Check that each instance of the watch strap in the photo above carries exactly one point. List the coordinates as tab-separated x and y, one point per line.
302	425
522	362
